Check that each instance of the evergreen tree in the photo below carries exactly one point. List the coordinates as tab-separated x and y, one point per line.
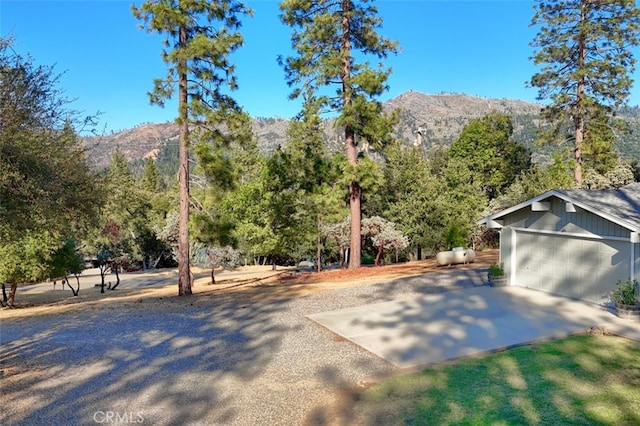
412	196
461	204
584	47
282	196
486	148
598	154
127	207
317	177
201	35
125	202
533	182
150	179
244	206
326	36
219	170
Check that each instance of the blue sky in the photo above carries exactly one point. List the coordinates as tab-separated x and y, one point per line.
473	47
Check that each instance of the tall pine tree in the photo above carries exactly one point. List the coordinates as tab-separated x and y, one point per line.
584	48
321	197
326	36
200	36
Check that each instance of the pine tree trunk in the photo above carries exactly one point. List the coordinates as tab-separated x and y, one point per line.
579	112
350	140
184	277
579	135
355	206
319	247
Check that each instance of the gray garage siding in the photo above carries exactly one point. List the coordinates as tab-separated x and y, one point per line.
506	251
580	268
637	258
575	243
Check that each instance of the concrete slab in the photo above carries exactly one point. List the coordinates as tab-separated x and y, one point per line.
431	328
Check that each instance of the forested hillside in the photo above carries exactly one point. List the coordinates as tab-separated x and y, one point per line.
439	119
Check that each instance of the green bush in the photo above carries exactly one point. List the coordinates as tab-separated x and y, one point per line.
626	292
455	235
496	270
367	259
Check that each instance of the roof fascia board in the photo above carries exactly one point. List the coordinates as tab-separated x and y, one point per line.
566	198
518	206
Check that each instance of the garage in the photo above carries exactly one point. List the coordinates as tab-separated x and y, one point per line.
578	268
573	243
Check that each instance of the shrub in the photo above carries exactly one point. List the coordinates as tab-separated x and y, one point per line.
496	270
367	259
626	292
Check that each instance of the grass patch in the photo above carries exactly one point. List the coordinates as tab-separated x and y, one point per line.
586	380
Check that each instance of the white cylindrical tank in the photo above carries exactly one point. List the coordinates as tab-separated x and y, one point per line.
455	256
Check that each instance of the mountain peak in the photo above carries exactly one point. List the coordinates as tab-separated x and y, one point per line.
440	118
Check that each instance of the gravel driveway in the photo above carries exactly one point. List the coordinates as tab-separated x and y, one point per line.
199	360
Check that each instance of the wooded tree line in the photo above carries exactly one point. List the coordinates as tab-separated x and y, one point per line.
295	204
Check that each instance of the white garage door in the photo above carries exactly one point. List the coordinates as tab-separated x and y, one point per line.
569	266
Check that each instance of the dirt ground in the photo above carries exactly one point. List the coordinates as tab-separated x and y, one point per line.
329	394
250	283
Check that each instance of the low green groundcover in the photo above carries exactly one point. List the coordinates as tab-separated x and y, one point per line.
585	380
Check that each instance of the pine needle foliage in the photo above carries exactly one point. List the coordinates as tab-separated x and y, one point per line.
332	40
584	49
200	36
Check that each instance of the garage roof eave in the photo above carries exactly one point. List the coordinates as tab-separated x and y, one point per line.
620	206
502	213
490	222
630	225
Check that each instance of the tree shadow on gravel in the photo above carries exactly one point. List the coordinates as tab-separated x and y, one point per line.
169	360
431	283
169	363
